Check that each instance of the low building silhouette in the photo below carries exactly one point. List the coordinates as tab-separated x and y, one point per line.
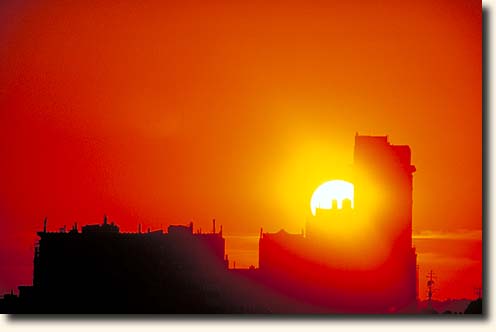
101	269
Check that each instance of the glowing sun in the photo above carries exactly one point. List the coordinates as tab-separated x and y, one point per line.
331	190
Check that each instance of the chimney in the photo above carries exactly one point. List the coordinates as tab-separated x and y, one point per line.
346	204
334	204
139	228
213	226
105	219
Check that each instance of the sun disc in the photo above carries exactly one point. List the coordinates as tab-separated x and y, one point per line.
338	190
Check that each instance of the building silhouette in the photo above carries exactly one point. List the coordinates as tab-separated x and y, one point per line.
474	307
102	270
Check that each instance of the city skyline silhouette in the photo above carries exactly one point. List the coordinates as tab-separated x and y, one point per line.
370	269
159	114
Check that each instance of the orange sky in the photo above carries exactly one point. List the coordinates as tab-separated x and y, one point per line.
162	113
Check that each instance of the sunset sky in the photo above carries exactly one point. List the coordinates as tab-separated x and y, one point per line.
159	114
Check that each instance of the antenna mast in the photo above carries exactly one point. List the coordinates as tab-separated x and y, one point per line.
430	284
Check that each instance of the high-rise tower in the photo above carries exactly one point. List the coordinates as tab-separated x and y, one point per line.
384	197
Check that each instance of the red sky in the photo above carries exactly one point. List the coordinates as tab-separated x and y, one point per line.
160	113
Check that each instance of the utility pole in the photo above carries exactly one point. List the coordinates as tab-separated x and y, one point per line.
430	284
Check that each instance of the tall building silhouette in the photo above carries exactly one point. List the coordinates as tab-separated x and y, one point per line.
384	196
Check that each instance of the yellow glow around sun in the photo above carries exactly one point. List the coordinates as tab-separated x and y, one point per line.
331	190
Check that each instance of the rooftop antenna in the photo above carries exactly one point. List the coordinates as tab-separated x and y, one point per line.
213	226
261	232
44	225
